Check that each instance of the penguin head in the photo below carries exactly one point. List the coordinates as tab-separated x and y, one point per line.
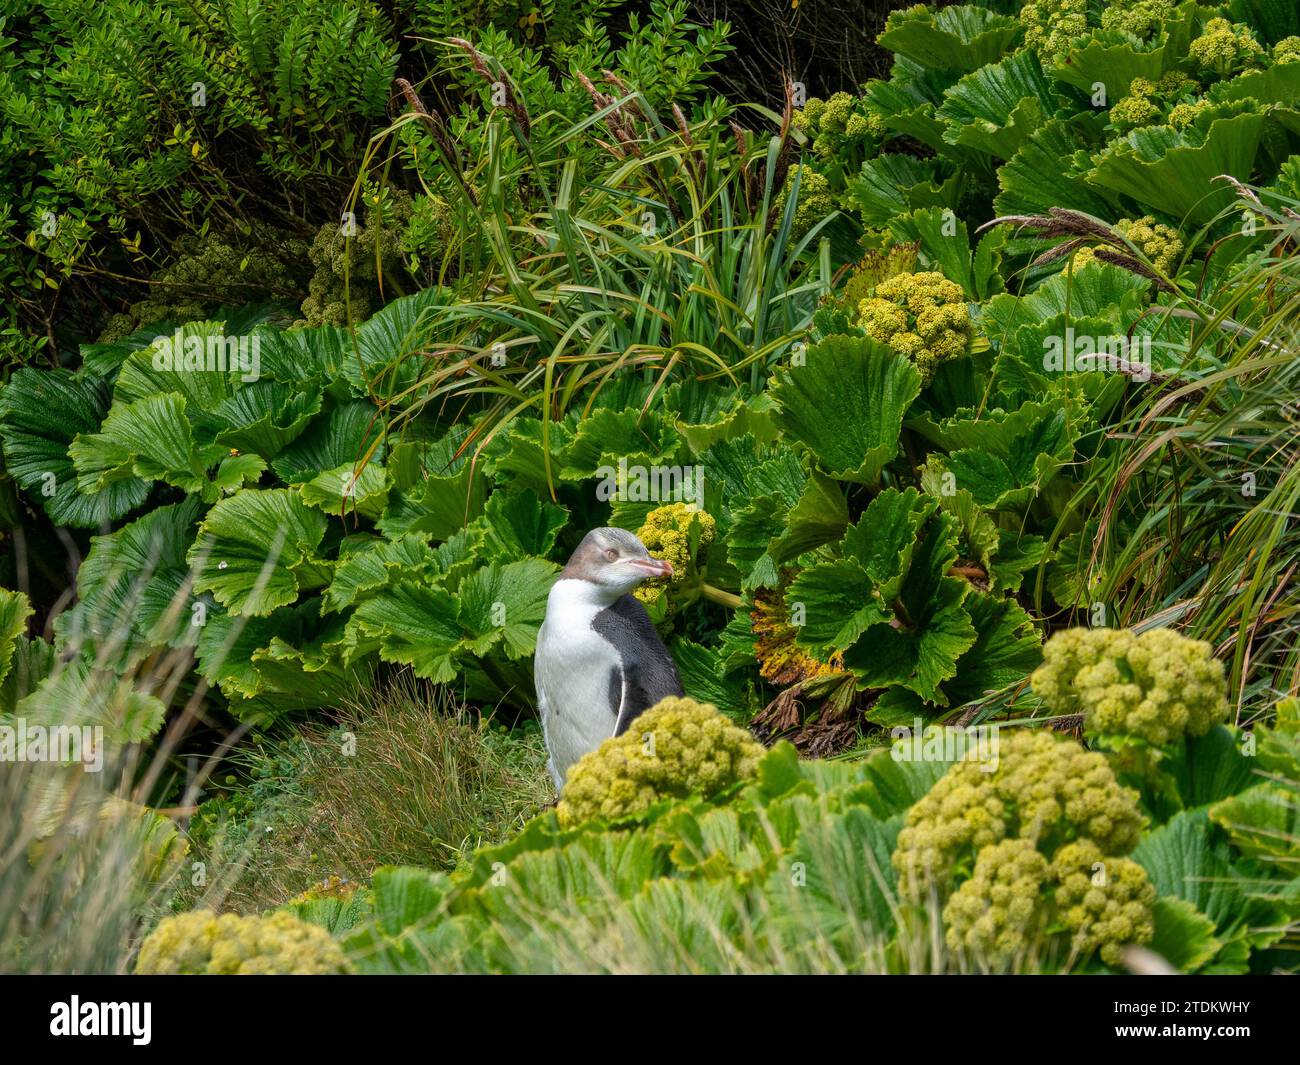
615	560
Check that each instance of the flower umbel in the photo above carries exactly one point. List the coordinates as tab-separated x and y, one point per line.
923	315
201	943
678	747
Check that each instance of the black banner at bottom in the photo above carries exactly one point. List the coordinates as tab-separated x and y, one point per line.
147	1014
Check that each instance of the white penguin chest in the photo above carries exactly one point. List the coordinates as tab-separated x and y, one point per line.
573	670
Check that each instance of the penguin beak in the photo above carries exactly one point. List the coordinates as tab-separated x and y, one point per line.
652	567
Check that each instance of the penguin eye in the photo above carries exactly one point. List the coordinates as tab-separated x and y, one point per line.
611	554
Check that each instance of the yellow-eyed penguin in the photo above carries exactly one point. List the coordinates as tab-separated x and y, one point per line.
599	661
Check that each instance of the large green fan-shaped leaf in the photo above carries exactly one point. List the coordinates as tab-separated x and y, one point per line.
41	412
30	662
1263	822
506	604
906	102
351	432
523	460
199	361
1210	767
705	678
1007	649
428	628
414	626
1271	19
375	565
848	896
292	659
1184	861
15	609
838	604
437	506
105	359
1004	459
945	246
346	490
963	38
996	108
265	417
150	438
77	694
891	184
891	606
1050	170
1112	58
1174	171
918	648
1095	290
886	535
610	442
385	361
257	550
706	414
303	357
520	524
133	589
918	658
1184	936
846	404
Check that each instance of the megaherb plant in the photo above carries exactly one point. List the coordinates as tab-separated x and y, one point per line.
294	507
1194	509
1181	859
1119	110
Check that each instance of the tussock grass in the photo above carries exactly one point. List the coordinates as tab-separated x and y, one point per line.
80	869
1196	507
408	778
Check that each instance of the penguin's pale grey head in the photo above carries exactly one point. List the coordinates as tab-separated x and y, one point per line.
615	560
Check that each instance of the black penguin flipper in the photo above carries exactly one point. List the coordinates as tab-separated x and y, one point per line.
649	672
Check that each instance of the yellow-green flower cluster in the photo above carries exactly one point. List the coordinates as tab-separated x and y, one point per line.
837	123
201	943
922	315
678	747
332	887
1225	47
217	268
1146	100
1140	18
678	533
1050	25
1137	108
350	262
1043	788
1105	902
1287	50
816	200
996	843
1161	244
995	915
1184	114
1155	687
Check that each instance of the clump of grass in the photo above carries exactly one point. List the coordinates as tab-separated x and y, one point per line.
1195	506
81	868
411	778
